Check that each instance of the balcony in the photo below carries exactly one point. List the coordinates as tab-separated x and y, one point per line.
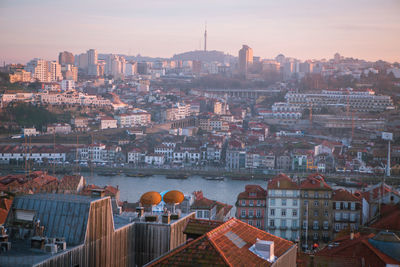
283	227
315	228
294	228
326	227
271	227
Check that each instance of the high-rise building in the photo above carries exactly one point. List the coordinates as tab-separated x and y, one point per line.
93	68
245	59
54	70
65	58
39	69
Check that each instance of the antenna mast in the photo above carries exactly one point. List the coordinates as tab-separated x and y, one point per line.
205	38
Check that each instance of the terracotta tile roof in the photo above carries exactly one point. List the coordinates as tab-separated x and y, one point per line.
282	181
5	205
390	219
261	193
315	181
216	248
200	226
344	195
203	203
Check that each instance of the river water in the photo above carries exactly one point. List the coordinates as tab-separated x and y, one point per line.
131	188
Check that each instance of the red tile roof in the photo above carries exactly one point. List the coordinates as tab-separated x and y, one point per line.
344	195
282	181
390	219
315	181
216	248
260	192
200	226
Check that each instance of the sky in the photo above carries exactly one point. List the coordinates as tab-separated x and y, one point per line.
306	29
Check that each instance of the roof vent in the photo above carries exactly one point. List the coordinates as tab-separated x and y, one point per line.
264	249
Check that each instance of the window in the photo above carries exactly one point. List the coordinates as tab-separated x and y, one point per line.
353	206
251	213
326	203
272	201
258	213
283	192
294	202
305	225
294	213
294	223
283	212
345	205
305	194
272	212
326	195
243	202
325	235
258	223
258	202
337	206
326	225
352	217
316	195
283	202
200	214
316	203
283	234
251	203
243	213
315	213
345	216
337	226
272	223
250	222
283	223
305	202
315	225
326	213
337	216
206	214
252	194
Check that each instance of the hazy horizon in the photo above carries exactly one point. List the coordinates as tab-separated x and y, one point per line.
364	29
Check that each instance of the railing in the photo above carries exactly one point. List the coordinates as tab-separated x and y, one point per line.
283	227
315	228
294	228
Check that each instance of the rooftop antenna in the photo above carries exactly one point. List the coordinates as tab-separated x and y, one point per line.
205	38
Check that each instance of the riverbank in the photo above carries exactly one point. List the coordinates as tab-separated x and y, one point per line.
211	172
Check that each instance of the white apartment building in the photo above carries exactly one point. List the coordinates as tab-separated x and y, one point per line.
178	111
30	132
167	151
59	128
357	100
186	156
132	120
283	208
98	153
108	123
67	85
39	69
154	159
37	154
135	156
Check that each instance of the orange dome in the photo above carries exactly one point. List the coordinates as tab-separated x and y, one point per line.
173	197
150	198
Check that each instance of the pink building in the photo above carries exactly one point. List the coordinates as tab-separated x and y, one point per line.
250	206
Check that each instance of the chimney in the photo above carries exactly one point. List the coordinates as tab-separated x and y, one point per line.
140	211
265	249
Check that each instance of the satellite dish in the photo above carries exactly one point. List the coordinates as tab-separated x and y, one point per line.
151	198
173	197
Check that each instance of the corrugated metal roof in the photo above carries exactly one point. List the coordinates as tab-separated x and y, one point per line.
61	215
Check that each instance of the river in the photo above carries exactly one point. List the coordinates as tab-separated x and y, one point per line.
131	188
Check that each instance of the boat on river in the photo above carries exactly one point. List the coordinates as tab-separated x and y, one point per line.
177	176
210	178
140	175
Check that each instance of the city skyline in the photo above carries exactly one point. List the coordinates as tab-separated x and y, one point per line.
310	30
